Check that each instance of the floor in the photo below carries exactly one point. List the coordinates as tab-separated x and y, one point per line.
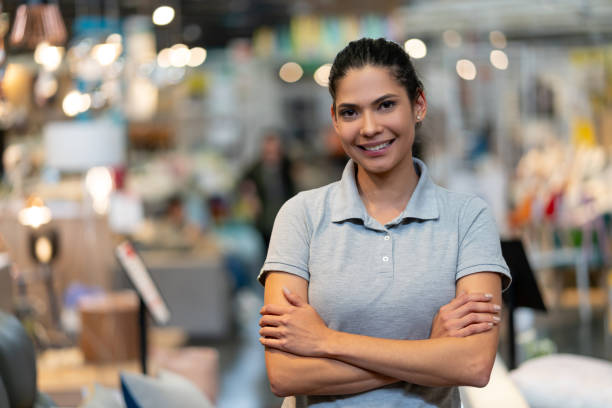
243	378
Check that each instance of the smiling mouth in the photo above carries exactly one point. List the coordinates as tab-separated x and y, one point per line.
377	147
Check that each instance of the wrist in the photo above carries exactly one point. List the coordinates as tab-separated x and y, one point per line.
330	344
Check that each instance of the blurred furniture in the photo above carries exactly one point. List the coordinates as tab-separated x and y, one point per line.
109	327
500	392
87	258
196	289
18	385
564	380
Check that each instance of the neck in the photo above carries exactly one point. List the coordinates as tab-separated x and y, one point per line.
386	195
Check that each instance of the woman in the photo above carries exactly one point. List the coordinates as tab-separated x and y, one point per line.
382	289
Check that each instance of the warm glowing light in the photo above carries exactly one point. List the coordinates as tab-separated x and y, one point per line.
321	75
499	59
46	85
43	249
163	58
498	39
48	56
85	102
291	72
163	15
452	38
466	69
415	48
179	55
34	214
197	56
106	54
114	38
99	184
75	102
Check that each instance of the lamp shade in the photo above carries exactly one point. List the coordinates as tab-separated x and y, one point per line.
36	23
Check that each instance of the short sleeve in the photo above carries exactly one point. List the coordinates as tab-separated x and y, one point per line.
480	248
289	248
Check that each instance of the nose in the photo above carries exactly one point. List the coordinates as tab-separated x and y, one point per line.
369	126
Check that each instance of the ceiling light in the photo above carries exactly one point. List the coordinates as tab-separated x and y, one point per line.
197	56
163	15
497	39
499	59
291	72
415	48
321	75
466	69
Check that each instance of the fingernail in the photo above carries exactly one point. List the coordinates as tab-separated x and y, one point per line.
497	307
286	291
496	319
490	324
488	296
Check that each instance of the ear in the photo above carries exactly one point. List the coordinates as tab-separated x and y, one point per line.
334	118
420	106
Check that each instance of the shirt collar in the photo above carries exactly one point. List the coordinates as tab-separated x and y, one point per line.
347	204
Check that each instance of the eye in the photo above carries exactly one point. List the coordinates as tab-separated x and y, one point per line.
348	113
387	104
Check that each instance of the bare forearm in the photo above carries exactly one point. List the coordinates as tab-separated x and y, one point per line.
432	362
295	375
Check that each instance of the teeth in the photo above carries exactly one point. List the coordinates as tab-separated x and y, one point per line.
377	147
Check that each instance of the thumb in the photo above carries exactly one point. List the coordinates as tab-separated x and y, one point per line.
293	298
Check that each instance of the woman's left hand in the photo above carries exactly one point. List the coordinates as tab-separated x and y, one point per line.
296	329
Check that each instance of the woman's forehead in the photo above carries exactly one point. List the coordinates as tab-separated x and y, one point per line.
367	83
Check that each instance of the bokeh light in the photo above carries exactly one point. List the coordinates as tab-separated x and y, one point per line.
466	69
321	75
497	39
197	56
499	59
452	38
291	72
163	15
415	48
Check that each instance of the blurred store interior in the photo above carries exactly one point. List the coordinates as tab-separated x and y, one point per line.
172	131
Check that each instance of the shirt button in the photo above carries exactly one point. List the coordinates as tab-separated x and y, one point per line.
387	237
385	259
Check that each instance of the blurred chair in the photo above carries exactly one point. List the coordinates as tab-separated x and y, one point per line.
18	367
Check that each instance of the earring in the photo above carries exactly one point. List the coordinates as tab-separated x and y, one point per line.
418	117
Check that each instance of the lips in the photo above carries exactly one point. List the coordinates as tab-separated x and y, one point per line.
376	146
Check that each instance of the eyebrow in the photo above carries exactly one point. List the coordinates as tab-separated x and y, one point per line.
376	101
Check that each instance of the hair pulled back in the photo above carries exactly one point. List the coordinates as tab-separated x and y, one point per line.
379	53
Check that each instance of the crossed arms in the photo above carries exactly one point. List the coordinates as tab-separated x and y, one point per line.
305	357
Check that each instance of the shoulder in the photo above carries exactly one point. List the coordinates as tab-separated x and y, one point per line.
459	203
311	202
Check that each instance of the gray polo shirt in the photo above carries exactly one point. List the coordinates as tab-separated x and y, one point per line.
384	280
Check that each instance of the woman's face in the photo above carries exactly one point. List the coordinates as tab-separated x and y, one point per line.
375	119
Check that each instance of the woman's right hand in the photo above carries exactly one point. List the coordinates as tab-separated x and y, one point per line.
465	315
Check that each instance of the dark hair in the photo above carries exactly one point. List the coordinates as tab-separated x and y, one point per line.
379	53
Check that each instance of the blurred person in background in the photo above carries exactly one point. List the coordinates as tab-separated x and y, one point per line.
271	180
382	289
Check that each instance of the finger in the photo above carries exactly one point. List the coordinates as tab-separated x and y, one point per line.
479	307
272	343
273	332
474	318
293	298
272	309
270	320
473	329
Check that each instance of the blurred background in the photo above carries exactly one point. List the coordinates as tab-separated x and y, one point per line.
181	127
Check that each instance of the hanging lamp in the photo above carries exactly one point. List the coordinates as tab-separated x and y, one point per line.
37	21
